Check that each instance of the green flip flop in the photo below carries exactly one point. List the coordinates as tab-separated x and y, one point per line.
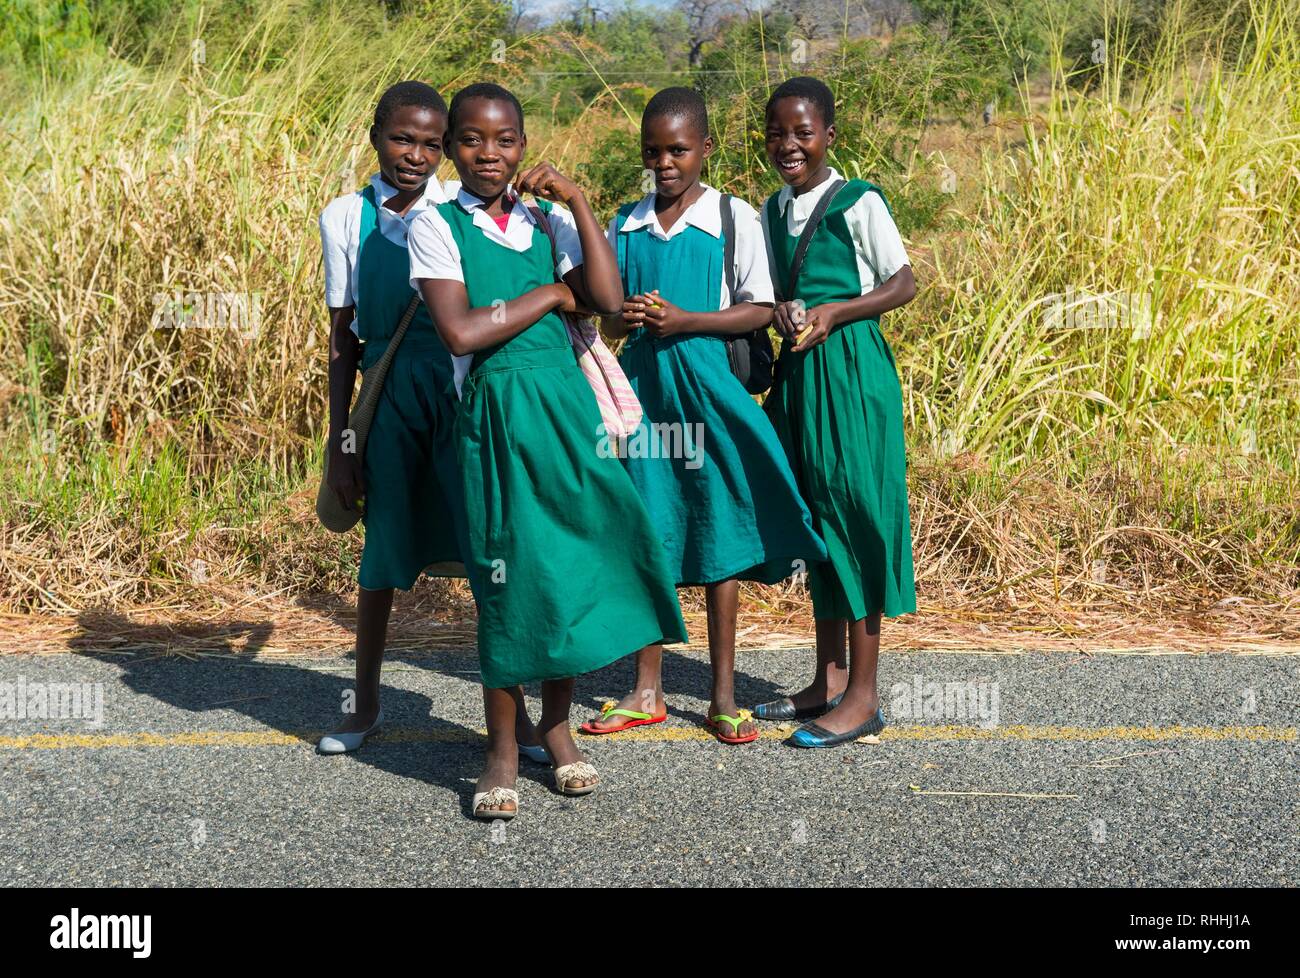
715	724
611	709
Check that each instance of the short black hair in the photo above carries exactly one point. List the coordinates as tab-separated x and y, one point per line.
488	90
407	93
679	103
809	89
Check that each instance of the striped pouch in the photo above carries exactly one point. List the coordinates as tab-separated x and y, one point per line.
619	408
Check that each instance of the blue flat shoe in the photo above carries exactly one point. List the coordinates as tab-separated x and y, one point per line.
535	753
786	710
811	735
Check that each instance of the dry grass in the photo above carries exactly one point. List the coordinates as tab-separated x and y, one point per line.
1016	575
1067	480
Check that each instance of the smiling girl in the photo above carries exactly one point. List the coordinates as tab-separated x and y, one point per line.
837	406
566	569
733	512
408	475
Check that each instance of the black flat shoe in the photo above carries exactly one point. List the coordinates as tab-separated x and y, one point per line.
811	735
785	710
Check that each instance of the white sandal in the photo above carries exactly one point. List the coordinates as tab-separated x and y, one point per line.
497	796
346	743
577	771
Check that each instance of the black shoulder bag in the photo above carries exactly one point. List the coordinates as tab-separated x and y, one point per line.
749	355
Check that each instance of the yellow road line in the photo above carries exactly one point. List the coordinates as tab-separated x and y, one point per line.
655	734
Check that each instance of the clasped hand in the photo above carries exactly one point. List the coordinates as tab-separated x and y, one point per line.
659	316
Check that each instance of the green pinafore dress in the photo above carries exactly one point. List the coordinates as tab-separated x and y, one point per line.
413	510
730	507
565	567
838	409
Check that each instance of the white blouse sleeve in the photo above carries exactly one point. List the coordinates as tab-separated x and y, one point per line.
753	277
767	245
568	245
433	249
334	250
876	238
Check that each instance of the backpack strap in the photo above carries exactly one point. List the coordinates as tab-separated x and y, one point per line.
541	212
620	242
543	220
728	246
805	237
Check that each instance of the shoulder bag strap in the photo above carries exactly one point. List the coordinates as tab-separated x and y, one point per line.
372	381
809	229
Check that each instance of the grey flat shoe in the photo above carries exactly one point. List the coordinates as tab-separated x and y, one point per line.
812	735
785	710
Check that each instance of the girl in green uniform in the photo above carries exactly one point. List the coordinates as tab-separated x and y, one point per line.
566	569
408	475
712	472
838	409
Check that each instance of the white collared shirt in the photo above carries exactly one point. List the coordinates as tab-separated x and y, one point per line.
340	234
750	265
434	253
433	248
876	240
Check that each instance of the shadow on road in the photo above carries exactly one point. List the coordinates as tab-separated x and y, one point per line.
682	673
282	696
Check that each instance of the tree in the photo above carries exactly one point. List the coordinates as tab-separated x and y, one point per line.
703	18
843	18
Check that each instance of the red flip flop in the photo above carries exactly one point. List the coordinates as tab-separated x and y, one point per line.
611	709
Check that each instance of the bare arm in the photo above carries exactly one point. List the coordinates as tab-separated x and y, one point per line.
743	317
596	283
815	326
345	357
898	290
345	476
615	327
466	330
663	319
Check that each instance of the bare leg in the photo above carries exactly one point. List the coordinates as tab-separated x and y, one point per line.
525	732
557	738
502	765
373	609
832	674
647	696
722	598
860	697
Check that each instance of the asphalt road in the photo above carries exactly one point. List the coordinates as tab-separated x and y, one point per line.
1104	770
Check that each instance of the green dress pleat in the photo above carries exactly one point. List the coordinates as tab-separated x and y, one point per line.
565	567
706	461
413	511
838	410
